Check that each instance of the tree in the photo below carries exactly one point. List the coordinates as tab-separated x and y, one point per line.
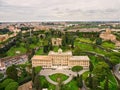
80	81
17	43
72	44
45	48
37	69
101	70
106	85
77	50
114	60
33	74
77	68
6	82
91	66
95	83
12	86
37	83
1	75
98	41
90	81
64	41
12	72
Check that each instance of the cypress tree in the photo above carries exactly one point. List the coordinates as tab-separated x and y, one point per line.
90	80
106	85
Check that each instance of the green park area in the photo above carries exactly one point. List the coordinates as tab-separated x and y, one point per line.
59	76
99	74
13	51
108	44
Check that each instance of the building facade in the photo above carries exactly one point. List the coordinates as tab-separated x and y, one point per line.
107	35
60	60
56	41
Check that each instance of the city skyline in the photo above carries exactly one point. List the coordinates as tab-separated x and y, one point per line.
59	10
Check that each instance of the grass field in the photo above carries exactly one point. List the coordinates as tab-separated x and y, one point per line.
12	51
108	45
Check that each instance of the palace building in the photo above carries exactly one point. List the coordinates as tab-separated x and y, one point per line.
60	60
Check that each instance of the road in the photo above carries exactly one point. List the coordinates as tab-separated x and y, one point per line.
116	71
66	72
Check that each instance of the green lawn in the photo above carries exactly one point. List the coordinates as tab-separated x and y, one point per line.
89	47
108	45
94	60
87	40
70	86
45	83
40	51
12	51
39	43
55	48
85	75
54	77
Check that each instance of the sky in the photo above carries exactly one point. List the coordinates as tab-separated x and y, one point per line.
59	10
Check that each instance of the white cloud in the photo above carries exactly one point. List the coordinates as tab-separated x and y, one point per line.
32	10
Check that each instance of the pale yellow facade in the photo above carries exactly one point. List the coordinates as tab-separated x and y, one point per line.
60	60
56	41
108	35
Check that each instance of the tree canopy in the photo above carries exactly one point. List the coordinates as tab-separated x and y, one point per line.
77	68
12	72
12	86
6	82
101	70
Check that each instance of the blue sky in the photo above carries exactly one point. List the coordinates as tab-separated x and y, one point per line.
59	10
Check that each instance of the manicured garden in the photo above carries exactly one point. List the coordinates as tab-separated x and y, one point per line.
13	50
57	76
108	44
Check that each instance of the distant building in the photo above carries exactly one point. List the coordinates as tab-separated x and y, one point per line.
8	61
3	37
117	44
56	41
60	60
108	35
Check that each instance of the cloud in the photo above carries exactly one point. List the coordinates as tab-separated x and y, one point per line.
37	10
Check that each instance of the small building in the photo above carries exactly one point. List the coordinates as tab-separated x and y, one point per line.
56	41
60	60
4	37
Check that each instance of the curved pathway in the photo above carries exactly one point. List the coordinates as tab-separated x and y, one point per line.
51	81
47	72
116	71
68	80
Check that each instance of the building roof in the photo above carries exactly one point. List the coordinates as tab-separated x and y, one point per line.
79	58
36	57
56	39
60	53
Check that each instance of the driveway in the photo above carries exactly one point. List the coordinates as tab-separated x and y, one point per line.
71	74
116	71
